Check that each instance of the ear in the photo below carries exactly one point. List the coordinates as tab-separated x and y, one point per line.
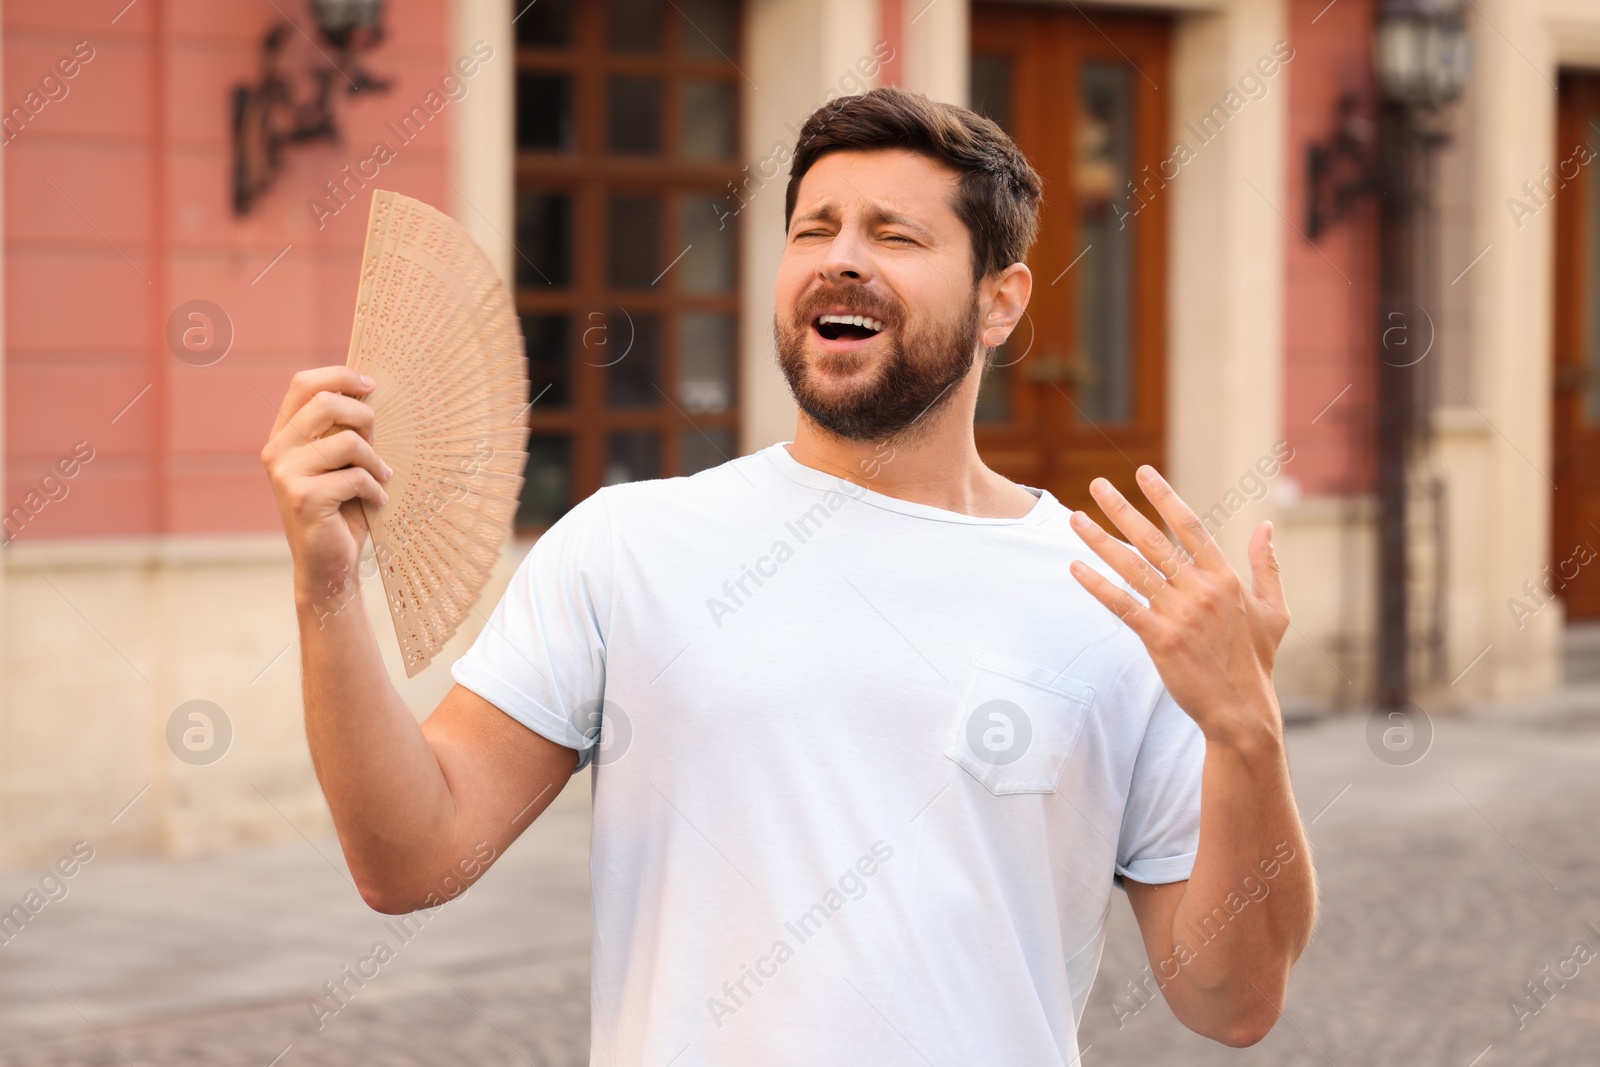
1002	298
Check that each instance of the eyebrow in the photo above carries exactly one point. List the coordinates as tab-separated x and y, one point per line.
875	216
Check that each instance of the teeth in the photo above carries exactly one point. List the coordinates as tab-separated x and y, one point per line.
866	321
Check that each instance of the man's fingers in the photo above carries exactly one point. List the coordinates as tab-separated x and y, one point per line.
1265	577
1118	601
341	450
1191	532
325	411
323	494
1124	560
308	383
1140	531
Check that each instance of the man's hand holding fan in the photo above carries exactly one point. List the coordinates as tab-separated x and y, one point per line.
437	383
322	463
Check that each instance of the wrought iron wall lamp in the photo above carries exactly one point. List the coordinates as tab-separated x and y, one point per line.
267	116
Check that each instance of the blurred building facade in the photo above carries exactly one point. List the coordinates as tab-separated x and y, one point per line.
623	161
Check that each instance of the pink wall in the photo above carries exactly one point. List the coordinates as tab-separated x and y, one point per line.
1330	288
139	221
85	330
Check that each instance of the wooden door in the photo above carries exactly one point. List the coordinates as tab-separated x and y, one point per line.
1575	510
1079	390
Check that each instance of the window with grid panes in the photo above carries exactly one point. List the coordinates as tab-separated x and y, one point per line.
627	276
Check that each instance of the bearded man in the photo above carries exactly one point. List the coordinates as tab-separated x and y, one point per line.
874	732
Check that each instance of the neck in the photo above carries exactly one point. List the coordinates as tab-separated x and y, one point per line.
935	462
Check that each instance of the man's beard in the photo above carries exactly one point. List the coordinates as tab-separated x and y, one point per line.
905	388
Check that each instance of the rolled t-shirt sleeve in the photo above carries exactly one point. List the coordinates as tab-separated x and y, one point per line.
541	658
1161	823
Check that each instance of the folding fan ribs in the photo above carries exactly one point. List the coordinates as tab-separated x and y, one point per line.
436	330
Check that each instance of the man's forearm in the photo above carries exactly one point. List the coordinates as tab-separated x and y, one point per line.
390	801
1249	906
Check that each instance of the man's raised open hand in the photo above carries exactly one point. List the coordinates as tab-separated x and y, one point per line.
1212	637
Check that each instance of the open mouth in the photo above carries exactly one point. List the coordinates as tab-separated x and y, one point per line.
848	327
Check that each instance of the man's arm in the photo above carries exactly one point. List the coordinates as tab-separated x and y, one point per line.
414	805
1221	943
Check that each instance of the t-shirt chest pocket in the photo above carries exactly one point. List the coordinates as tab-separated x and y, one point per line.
1017	725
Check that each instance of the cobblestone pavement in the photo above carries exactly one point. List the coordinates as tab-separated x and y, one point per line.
498	1015
1447	885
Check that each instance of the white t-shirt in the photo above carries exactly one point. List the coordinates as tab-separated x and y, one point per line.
866	772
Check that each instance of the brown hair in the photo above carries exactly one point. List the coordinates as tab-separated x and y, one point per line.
998	197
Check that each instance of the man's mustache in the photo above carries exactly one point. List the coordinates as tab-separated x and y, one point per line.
889	315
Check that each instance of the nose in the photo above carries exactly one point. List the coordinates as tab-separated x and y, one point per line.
846	260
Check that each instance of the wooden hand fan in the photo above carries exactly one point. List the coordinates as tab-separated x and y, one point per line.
436	330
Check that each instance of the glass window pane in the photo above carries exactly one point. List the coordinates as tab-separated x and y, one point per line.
635	121
633	369
633	456
1104	382
549	343
634	241
707	267
709	119
710	28
635	25
704	449
544	24
547	484
705	362
544	242
544	111
991	88
607	336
